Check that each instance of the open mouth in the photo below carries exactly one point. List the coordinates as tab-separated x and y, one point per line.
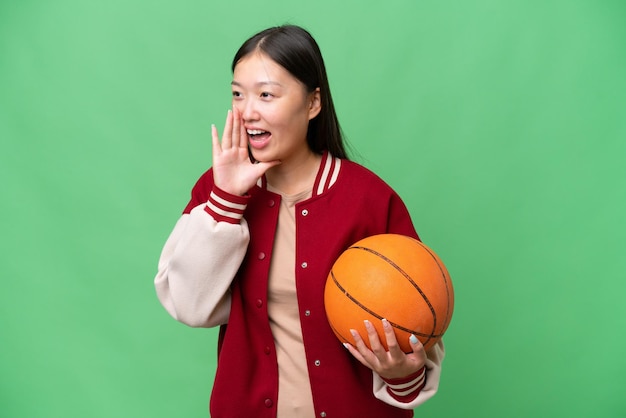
257	136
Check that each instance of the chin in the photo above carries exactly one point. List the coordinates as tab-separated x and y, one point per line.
261	157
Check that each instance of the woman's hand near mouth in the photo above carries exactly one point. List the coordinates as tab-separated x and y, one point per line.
233	172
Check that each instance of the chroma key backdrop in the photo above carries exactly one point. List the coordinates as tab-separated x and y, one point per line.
502	125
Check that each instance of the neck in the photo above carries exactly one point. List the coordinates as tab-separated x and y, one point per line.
295	175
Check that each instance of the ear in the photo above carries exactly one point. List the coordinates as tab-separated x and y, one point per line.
315	103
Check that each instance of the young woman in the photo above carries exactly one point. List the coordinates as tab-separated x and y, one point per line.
254	246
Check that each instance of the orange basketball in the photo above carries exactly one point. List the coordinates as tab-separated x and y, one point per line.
394	277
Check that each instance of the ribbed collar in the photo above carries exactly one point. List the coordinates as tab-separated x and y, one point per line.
326	175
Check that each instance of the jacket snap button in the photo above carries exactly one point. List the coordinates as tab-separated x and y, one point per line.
267	350
259	303
271	203
307	313
317	362
261	256
323	414
269	403
305	212
304	265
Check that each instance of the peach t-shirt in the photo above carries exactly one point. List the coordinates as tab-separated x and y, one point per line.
294	390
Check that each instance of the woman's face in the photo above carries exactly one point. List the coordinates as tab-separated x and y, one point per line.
275	108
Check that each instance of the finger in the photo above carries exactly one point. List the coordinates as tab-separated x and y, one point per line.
416	345
242	140
355	353
362	352
237	125
374	339
390	338
215	140
358	341
369	358
360	345
227	141
262	167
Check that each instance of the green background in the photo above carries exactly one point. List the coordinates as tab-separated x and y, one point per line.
502	124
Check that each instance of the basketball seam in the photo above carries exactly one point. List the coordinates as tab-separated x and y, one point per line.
378	316
445	279
415	285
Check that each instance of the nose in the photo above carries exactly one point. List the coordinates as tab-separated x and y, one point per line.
247	109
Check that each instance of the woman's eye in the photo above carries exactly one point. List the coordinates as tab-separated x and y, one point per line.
236	94
266	95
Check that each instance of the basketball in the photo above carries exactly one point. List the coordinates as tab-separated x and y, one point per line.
393	277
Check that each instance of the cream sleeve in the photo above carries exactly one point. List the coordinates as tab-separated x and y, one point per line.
197	265
433	374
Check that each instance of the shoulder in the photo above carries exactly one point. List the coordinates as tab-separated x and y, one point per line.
354	174
353	166
364	192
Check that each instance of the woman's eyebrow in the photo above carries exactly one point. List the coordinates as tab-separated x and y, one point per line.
258	84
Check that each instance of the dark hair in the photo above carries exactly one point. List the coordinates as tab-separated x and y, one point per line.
294	49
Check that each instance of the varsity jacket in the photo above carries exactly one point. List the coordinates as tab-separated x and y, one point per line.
214	271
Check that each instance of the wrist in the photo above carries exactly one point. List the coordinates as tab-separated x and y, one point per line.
225	206
407	388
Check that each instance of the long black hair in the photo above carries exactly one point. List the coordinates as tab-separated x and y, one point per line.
294	49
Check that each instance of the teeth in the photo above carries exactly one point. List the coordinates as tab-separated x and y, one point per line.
255	132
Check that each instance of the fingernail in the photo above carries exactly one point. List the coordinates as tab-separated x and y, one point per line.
385	323
353	332
368	324
413	339
346	345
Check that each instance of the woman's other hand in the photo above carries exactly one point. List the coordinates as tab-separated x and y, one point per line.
390	364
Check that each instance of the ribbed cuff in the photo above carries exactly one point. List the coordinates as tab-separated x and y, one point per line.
226	207
406	389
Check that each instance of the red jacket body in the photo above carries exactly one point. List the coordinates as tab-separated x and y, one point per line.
357	205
